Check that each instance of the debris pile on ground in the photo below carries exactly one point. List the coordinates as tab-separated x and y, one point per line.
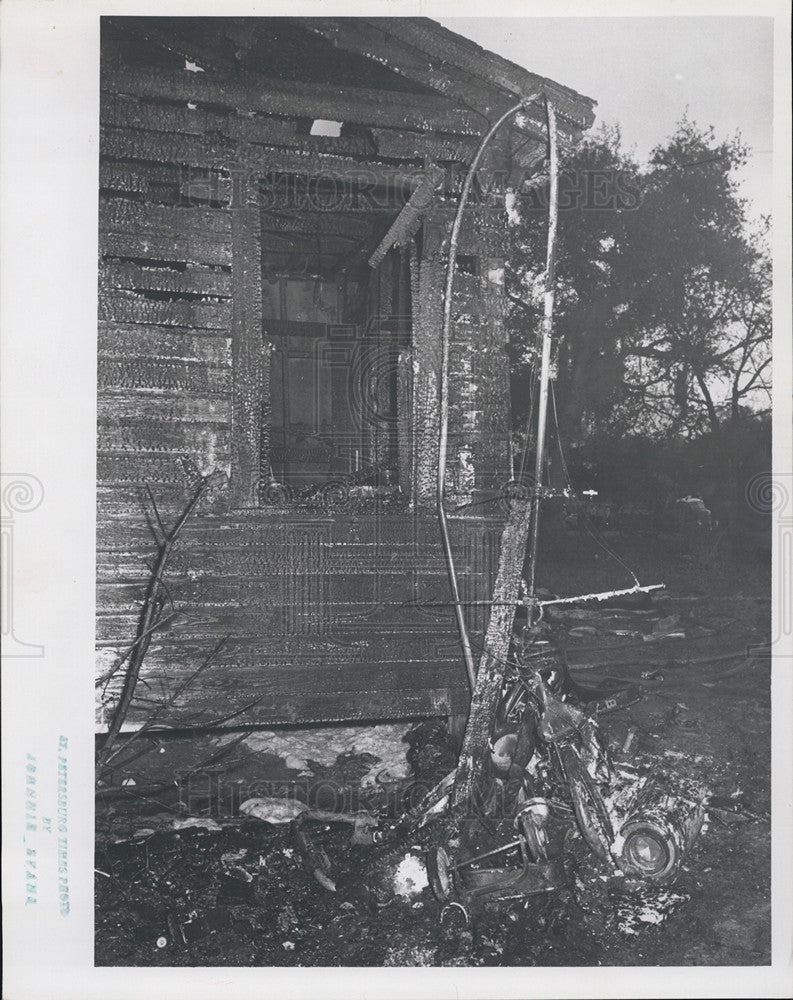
411	876
311	752
272	810
238	887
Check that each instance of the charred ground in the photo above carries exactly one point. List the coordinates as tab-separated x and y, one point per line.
239	894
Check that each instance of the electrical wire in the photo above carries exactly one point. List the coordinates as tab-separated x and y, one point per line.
547	335
443	423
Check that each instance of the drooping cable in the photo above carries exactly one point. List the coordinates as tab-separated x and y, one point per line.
547	332
443	429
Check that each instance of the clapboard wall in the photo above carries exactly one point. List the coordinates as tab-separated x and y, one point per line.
323	613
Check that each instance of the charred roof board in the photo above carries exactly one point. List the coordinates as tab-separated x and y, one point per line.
428	53
277	46
412	57
258	93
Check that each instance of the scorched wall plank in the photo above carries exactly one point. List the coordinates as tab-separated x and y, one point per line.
193	248
297	99
192	280
116	306
135	340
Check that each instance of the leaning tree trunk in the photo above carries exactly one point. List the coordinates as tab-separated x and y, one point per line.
490	676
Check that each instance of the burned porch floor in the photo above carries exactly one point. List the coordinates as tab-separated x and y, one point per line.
238	893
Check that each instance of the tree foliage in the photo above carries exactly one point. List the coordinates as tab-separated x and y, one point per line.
663	319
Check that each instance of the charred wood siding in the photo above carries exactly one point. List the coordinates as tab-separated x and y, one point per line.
332	617
478	365
328	615
262	96
321	613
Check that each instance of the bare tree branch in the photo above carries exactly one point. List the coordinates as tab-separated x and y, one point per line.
151	608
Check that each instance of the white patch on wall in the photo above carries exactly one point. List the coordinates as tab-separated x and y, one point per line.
511	205
105	693
324	126
207	458
466	473
106	659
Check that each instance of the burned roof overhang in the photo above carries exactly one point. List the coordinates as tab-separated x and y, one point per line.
412	97
463	72
438	77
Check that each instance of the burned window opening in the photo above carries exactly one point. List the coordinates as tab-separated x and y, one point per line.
469	264
333	344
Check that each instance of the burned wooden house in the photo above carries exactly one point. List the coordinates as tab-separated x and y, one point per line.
276	199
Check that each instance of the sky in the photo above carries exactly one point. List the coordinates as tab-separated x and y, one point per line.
644	72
